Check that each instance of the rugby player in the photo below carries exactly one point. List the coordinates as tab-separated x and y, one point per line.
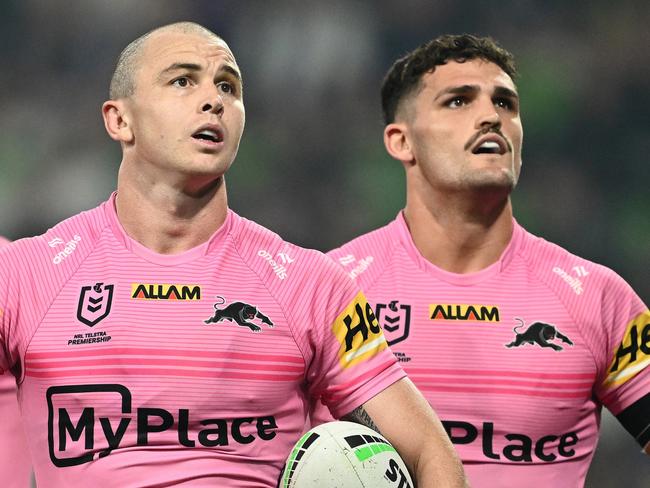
516	343
174	342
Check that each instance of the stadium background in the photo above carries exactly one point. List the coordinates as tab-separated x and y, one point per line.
312	164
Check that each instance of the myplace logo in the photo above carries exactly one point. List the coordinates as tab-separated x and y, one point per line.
70	440
88	422
69	248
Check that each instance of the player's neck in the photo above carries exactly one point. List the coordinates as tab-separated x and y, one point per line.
458	235
169	219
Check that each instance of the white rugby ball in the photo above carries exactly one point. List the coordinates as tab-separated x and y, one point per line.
344	455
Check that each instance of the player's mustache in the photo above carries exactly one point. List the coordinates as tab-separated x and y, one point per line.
484	131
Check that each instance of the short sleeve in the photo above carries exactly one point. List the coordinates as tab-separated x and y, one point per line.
352	361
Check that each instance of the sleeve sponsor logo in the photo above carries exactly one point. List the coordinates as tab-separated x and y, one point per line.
358	333
79	435
466	313
146	291
633	353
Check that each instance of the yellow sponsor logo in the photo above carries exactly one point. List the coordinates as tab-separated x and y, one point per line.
149	291
633	354
468	313
358	333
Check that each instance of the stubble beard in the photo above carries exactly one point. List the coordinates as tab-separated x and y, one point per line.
502	179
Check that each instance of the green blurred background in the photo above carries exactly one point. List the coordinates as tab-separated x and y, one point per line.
312	164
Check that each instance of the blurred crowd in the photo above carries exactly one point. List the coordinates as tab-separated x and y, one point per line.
312	164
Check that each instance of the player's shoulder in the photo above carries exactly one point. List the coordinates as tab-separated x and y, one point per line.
364	257
565	271
58	247
265	251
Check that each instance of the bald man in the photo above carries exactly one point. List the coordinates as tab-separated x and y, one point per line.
170	341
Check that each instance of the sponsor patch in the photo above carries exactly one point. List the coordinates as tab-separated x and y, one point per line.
149	291
633	353
466	313
516	447
358	333
88	422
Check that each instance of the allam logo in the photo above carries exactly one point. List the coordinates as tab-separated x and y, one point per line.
469	313
152	291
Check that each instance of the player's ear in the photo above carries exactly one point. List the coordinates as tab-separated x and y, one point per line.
397	143
117	120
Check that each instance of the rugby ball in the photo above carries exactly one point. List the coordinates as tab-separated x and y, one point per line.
344	455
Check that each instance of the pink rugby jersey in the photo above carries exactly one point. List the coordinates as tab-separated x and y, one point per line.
516	359
137	369
15	467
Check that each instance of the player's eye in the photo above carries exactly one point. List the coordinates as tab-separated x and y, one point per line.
456	102
181	81
504	103
226	87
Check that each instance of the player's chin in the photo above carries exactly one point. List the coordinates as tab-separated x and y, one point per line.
494	179
207	169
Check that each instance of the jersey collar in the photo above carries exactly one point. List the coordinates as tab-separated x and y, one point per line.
166	259
455	278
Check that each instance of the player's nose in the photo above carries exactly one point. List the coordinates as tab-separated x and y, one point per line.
487	115
212	101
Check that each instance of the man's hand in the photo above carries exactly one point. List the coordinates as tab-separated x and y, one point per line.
402	415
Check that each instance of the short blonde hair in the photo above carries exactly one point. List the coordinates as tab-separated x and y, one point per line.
123	79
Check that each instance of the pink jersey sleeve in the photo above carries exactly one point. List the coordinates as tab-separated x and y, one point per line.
614	324
626	355
15	465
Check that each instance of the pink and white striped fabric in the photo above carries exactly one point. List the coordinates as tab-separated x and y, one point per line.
517	359
15	466
196	369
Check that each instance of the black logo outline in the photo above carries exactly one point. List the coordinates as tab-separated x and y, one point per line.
388	322
56	390
94	303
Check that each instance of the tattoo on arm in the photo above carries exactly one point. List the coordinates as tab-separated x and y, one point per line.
360	416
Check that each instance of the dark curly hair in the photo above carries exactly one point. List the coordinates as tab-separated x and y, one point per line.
404	76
